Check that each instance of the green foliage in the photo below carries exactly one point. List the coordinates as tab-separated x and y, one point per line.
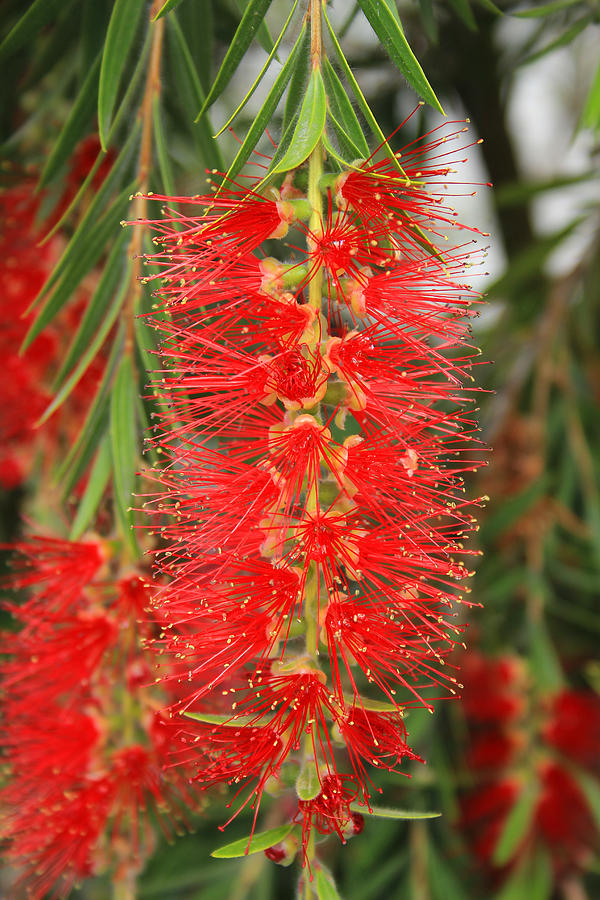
253	844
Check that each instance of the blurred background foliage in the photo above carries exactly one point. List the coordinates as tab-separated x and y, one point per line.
514	767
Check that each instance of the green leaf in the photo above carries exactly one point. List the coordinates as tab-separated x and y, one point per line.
545	664
519	192
80	239
255	844
444	882
561	41
491	7
124	443
590	787
91	350
123	109
166	8
341	108
91	251
215	719
251	20
545	9
263	35
94	490
373	705
517	824
98	307
308	784
119	38
429	22
298	81
511	510
360	98
162	153
75	127
39	14
391	35
464	12
348	149
309	127
533	879
590	117
391	5
264	116
192	93
325	886
94	427
260	75
385	812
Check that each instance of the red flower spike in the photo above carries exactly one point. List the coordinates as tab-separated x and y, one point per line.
329	812
313	478
574	727
56	570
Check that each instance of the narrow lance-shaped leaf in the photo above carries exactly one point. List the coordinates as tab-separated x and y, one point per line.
308	784
384	812
325	886
166	8
95	244
192	92
79	240
298	81
94	344
541	10
561	41
516	825
160	142
39	14
360	98
259	841
464	12
75	126
123	109
94	427
391	35
252	18
94	490
263	35
347	147
124	443
309	127
341	109
266	111
119	38
97	308
260	75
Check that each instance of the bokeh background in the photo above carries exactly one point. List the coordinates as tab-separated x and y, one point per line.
515	766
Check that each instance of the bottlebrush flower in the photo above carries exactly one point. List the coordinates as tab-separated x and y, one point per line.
311	502
511	729
85	757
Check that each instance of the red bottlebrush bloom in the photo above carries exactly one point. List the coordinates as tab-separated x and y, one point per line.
494	689
409	202
564	819
57	846
330	811
484	812
56	570
85	761
314	425
573	727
